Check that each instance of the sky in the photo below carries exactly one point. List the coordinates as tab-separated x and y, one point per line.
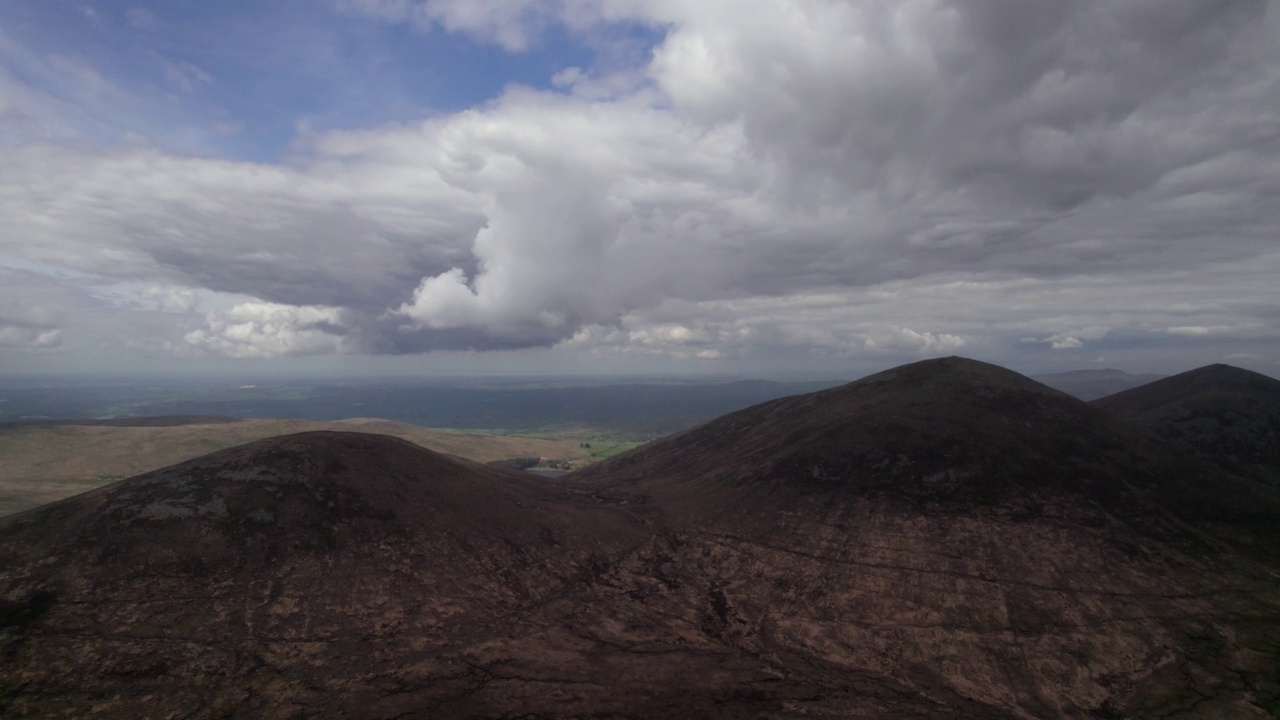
831	187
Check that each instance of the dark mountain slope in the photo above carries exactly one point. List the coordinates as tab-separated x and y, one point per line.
939	436
319	569
950	537
1228	415
945	540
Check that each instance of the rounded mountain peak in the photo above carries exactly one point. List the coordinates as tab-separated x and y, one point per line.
1226	414
302	495
1217	378
945	433
944	377
281	482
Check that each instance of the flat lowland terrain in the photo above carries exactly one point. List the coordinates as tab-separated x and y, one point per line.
43	463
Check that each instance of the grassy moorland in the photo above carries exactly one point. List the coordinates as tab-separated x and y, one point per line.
43	463
57	448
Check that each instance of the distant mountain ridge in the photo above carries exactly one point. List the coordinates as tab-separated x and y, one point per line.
946	539
1093	384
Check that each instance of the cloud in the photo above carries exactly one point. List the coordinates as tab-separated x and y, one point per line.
169	299
1207	330
29	338
1189	330
29	327
814	177
265	330
186	76
1072	339
1017	319
901	338
837	324
79	98
511	24
142	19
294	237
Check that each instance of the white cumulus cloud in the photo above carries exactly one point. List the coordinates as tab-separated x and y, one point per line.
264	330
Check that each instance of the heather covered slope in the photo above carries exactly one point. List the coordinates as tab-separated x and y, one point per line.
936	436
943	540
1227	419
952	535
1226	414
314	570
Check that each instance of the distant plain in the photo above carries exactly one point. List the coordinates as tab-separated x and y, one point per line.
58	438
44	463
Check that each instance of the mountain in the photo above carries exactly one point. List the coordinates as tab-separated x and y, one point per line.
937	436
44	462
1226	414
951	538
318	570
947	539
1093	384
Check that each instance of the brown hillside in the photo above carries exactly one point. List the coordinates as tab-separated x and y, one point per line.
939	436
943	540
950	532
314	570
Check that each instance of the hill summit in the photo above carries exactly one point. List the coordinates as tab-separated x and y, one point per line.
1227	414
939	435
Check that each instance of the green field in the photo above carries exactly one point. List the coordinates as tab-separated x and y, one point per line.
594	444
41	464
